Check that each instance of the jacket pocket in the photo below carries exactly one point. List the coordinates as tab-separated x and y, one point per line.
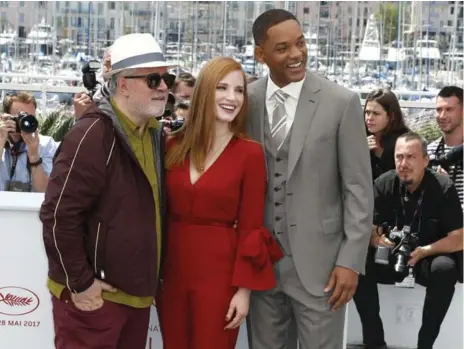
331	225
99	250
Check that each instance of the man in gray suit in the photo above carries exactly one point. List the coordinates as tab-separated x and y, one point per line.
319	202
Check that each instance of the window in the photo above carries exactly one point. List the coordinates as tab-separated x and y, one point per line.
365	21
112	23
100	8
79	22
365	11
452	10
112	5
21	3
306	10
350	22
21	18
450	23
57	6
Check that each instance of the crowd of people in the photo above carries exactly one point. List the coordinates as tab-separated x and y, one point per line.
277	202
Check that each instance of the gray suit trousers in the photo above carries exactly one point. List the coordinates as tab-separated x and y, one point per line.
273	312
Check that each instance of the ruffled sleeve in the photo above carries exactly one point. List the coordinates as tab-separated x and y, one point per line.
257	249
256	254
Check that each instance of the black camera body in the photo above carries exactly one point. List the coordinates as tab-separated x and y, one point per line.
174	125
453	157
89	78
405	242
25	122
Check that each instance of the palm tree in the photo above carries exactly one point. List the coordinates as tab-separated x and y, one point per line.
56	124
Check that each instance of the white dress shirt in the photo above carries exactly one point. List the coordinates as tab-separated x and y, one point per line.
293	90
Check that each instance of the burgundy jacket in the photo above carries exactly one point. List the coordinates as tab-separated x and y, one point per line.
99	216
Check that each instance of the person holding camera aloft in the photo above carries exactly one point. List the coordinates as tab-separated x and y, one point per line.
417	231
26	157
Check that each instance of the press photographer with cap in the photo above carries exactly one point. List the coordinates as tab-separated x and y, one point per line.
104	206
26	156
418	237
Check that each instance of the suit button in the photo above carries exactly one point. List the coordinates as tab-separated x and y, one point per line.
278	159
276	189
277	175
278	219
277	204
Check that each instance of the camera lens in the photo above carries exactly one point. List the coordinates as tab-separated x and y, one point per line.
27	123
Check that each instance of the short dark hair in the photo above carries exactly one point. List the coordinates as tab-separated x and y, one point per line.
413	136
21	97
267	20
187	78
451	91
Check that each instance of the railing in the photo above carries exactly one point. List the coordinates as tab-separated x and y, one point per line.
45	88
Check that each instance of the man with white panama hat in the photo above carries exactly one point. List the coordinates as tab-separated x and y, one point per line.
104	206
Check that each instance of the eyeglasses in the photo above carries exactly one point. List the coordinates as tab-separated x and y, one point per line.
154	79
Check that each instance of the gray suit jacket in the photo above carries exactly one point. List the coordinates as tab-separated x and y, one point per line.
329	203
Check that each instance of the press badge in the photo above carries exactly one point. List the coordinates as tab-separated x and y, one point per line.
408	281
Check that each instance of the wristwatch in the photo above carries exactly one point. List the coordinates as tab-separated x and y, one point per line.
36	163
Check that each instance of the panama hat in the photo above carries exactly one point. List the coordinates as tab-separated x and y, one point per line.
136	51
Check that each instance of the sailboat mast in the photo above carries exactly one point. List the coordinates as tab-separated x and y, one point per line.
224	29
352	48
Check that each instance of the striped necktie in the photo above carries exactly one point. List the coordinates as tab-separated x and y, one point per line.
279	120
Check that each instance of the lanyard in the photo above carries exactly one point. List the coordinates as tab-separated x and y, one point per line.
14	163
441	151
417	212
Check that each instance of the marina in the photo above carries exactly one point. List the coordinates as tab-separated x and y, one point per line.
412	48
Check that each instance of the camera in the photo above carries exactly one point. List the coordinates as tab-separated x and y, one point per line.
173	125
453	157
405	242
25	122
89	78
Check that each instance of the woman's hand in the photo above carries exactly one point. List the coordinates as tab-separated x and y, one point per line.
372	143
239	306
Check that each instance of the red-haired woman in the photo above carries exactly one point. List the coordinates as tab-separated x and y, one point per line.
215	177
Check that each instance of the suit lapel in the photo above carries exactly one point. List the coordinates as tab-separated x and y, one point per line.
304	115
259	110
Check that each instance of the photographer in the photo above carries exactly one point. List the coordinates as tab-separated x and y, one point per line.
26	160
449	119
183	87
413	198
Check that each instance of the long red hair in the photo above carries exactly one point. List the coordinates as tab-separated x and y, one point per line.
197	139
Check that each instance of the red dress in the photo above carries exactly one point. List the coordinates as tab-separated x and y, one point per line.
206	258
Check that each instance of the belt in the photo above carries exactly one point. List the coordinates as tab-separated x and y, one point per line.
201	221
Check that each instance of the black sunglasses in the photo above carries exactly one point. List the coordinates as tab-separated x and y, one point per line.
154	79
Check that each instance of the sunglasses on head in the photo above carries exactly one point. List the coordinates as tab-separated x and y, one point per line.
154	79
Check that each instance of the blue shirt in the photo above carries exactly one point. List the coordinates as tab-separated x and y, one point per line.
47	148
